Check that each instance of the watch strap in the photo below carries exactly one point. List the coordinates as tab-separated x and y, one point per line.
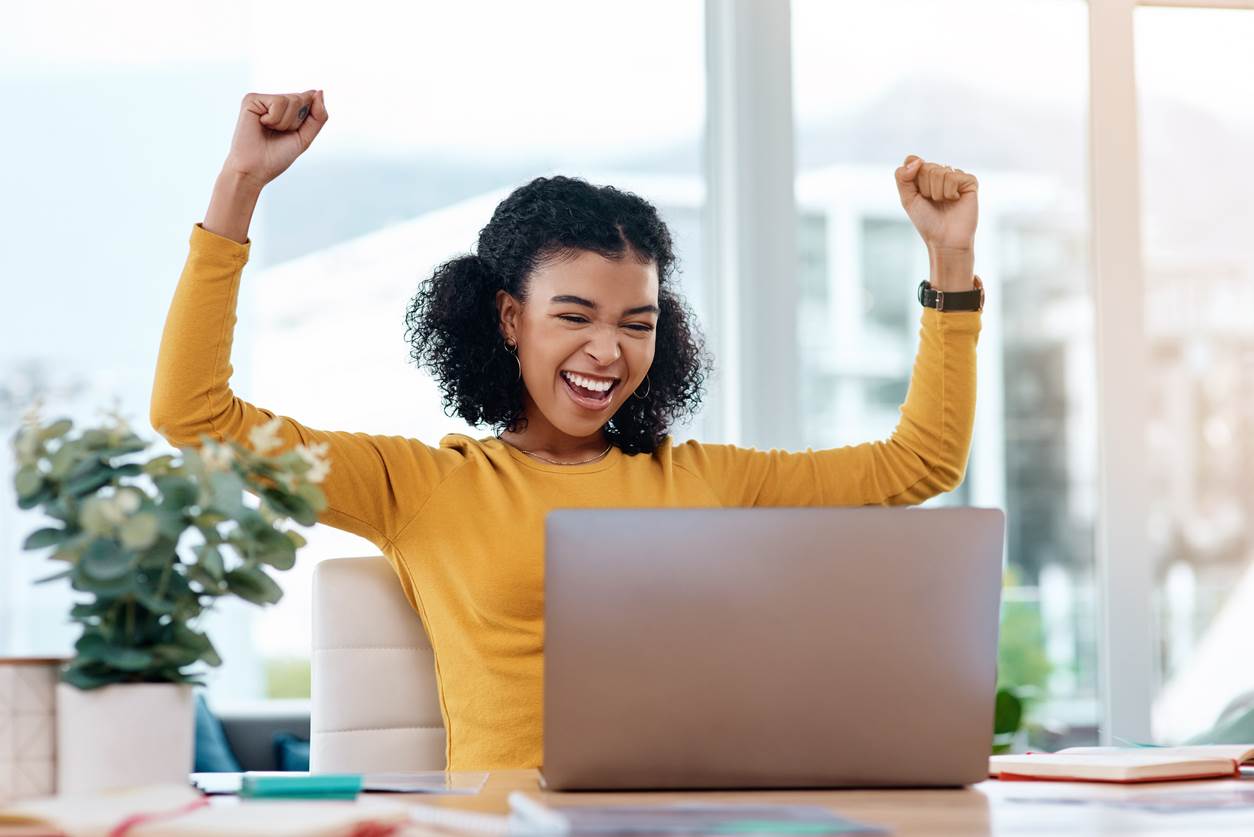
972	300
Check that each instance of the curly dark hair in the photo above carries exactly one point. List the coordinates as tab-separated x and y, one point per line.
452	323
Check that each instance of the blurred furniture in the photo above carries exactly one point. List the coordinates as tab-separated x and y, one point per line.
250	731
375	702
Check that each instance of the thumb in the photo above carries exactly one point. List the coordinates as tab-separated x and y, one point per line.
317	118
905	175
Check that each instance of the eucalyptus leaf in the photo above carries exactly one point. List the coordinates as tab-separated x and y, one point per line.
312	495
104	560
94	646
43	495
63	460
86	680
43	538
56	429
86	610
140	531
227	489
27	481
55	576
177	492
253	585
101	475
211	561
159	465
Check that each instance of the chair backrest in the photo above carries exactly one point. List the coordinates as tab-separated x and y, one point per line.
376	705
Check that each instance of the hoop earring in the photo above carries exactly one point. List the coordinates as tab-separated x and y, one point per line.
512	348
647	389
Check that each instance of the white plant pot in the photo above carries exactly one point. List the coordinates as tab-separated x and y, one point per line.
124	735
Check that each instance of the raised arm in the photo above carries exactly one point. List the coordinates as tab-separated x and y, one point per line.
376	483
927	452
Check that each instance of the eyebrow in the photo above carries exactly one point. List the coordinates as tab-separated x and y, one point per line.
586	303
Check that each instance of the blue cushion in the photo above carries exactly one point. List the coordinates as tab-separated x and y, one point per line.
213	753
291	752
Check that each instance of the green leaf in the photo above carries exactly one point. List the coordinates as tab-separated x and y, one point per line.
177	492
1008	712
55	576
42	538
275	549
210	585
291	505
176	655
86	680
297	539
211	560
130	469
312	495
140	531
86	610
227	490
104	560
56	430
27	481
44	494
93	646
253	585
96	437
64	459
159	466
100	476
210	655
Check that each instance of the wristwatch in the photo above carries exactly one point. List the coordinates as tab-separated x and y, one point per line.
929	297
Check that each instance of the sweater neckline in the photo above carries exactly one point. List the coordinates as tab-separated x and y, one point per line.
608	461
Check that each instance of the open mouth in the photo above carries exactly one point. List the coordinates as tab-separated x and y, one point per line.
592	393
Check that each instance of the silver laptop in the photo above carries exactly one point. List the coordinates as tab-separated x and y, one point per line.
770	648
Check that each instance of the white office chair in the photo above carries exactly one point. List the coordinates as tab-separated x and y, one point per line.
376	706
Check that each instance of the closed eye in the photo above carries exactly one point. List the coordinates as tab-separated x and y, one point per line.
575	318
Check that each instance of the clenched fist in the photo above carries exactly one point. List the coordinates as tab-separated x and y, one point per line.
273	130
941	203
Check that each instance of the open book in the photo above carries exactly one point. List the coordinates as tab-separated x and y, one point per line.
1125	764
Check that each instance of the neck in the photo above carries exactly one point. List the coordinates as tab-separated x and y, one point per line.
541	437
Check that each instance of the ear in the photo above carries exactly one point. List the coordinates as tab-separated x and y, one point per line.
508	311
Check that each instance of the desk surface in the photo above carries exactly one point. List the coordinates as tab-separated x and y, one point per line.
989	808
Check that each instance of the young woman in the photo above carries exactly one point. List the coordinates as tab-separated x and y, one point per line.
562	332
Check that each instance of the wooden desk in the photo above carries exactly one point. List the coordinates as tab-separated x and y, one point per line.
990	808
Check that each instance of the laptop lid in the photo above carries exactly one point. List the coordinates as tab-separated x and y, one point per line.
770	647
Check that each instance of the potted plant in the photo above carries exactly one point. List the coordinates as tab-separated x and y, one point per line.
151	544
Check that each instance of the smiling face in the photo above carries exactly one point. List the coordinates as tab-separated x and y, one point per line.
585	338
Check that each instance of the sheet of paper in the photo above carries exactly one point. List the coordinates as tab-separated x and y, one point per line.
729	819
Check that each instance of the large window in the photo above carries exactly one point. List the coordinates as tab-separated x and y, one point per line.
1194	68
121	116
438	109
925	86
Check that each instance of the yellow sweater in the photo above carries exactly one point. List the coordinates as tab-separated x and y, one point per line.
462	523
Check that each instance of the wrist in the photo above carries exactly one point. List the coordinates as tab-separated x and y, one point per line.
952	269
237	183
232	205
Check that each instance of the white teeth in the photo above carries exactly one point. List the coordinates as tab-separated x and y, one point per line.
588	383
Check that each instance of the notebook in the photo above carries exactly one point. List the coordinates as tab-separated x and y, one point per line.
1125	764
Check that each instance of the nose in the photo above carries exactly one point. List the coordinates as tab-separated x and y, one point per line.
603	346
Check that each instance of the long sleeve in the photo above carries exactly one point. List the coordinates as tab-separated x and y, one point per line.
925	455
376	484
